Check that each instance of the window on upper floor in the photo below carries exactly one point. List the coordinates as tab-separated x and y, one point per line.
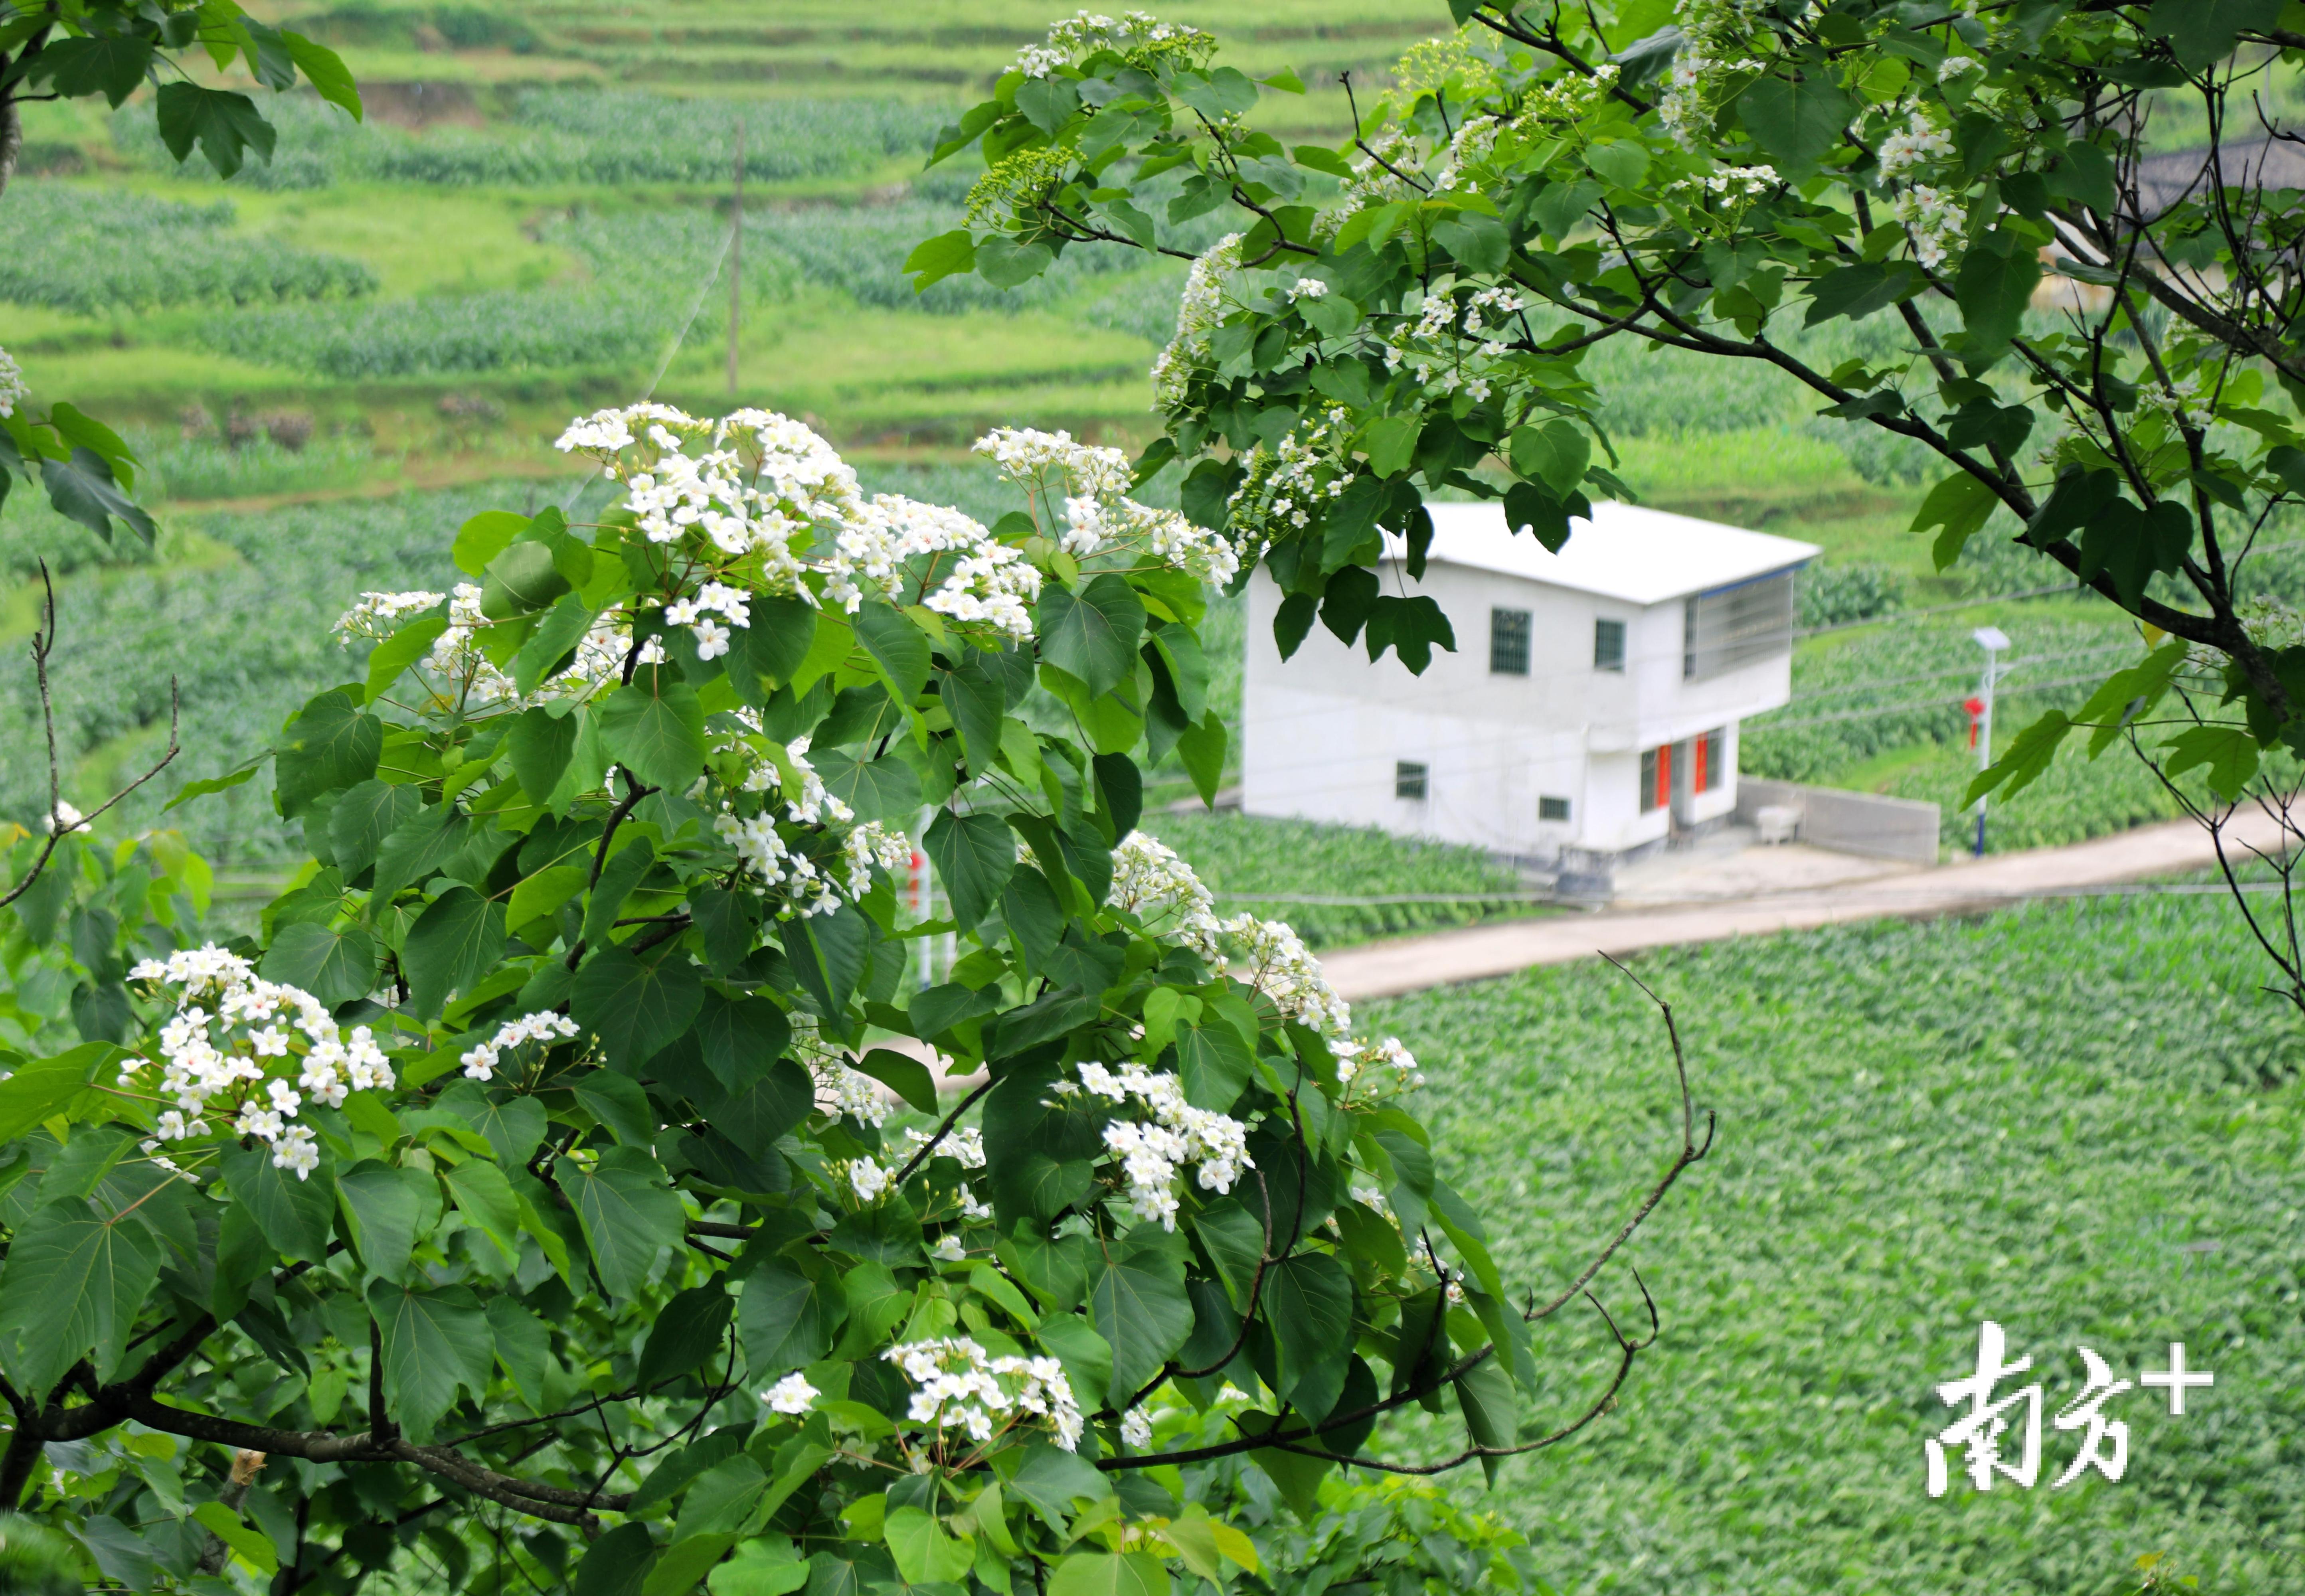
1552	809
1737	626
1608	645
1509	631
1408	780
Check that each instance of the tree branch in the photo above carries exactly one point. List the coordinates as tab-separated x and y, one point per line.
44	642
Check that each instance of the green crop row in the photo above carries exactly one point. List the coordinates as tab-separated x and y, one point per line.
241	625
861	250
1243	858
67	247
645	274
2056	1117
209	467
574	136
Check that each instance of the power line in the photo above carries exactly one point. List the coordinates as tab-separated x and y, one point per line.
672	349
1906	708
1379	900
2075	586
1872	683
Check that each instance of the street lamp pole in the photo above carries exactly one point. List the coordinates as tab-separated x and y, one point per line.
1993	640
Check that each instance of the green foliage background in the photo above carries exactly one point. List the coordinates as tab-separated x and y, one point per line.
2029	1116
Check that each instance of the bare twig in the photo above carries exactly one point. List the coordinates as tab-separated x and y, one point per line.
44	642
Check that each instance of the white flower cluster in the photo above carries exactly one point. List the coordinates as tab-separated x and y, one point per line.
1094	526
1953	66
607	431
1729	182
1136	1429
1282	967
964	1143
1036	460
1473	145
2184	401
773	860
1716	33
873	843
1305	288
457	653
1283	486
13	388
989	583
480	1061
733	606
1377	164
1569	100
1152	1153
1134	34
841	1090
867	1179
960	1387
2268	621
376	615
791	1396
747	511
1199	311
1437	346
1384	1063
1917	145
65	818
1934	220
1152	883
241	1051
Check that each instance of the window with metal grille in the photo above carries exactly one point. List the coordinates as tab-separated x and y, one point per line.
1608	645
1407	780
1656	777
1706	770
1508	642
1552	809
1736	626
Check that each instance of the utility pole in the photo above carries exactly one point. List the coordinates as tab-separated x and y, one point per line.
736	261
1993	640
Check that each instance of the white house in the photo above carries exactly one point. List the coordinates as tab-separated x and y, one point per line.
1592	703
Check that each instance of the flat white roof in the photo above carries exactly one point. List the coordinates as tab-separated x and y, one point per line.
1624	552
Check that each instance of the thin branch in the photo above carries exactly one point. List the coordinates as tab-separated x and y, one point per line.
44	642
942	1131
1692	1151
1627	1351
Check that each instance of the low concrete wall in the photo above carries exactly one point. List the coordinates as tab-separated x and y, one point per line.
1848	822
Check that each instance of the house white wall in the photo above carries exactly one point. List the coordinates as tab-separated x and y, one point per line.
1323	731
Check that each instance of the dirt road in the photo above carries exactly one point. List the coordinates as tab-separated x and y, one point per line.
1412	963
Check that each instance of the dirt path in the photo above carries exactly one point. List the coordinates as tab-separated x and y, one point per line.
1412	963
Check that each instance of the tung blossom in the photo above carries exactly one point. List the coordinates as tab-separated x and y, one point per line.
958	1387
1151	1154
230	1031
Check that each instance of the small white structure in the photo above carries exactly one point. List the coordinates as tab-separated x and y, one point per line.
1592	704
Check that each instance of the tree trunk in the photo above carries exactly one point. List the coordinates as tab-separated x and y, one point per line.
12	136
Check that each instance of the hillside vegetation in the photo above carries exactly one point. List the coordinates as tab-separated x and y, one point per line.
2078	1119
534	220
